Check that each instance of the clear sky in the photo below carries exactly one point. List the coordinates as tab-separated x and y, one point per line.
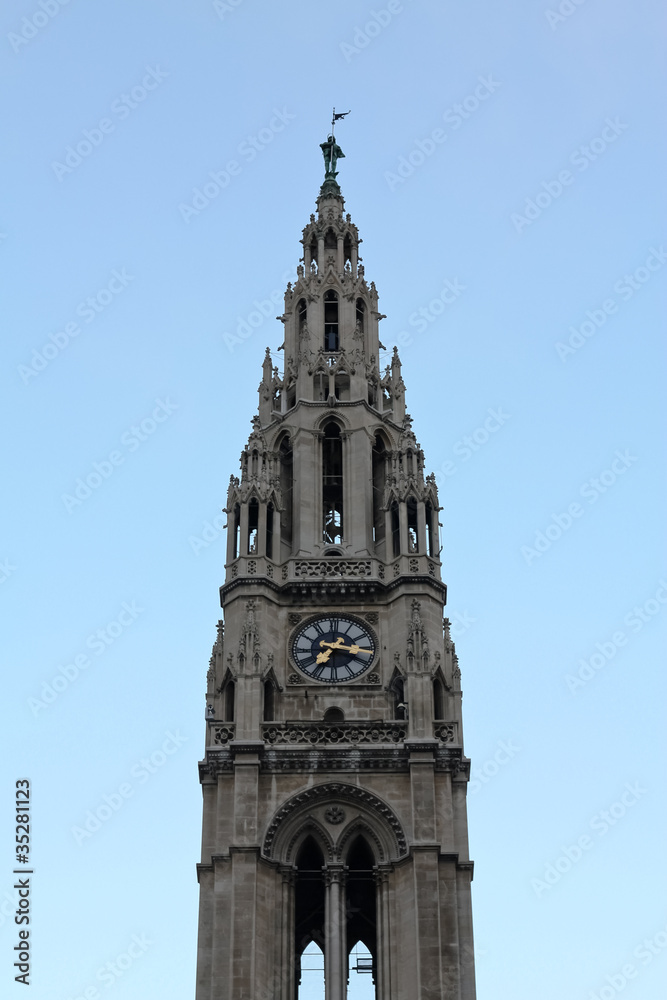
502	161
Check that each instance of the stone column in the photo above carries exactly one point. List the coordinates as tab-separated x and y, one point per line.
335	972
340	262
421	527
287	942
383	935
261	529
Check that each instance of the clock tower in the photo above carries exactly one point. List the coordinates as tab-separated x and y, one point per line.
334	778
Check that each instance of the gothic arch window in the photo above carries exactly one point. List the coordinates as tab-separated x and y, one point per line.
269	531
395	529
309	912
253	526
237	530
398	691
347	248
379	463
360	903
286	488
361	314
413	532
332	484
254	463
313	250
342	386
331	340
228	693
438	699
430	530
330	240
301	312
320	387
269	701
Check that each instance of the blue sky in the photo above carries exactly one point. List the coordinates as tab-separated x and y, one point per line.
502	162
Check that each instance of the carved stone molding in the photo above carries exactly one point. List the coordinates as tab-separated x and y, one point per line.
445	732
353	794
318	733
332	569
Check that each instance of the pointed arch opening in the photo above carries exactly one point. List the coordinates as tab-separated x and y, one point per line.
253	526
228	697
309	908
438	699
361	314
332	484
237	531
331	340
430	530
379	463
395	529
286	489
361	908
413	530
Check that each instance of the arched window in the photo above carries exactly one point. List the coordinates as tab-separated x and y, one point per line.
269	701
413	535
395	529
269	531
342	386
398	690
237	531
254	463
332	484
253	523
313	250
430	533
379	460
286	475
301	312
229	692
334	715
311	983
361	906
309	910
330	321
330	241
361	314
438	699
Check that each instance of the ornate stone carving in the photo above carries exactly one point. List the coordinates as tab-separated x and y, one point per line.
371	617
334	815
326	569
414	565
336	790
223	734
445	732
295	679
294	618
373	679
322	733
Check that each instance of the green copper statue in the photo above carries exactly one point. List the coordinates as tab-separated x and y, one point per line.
332	153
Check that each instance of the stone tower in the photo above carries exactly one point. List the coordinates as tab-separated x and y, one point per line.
334	780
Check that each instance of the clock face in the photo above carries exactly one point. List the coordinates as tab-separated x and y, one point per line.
333	648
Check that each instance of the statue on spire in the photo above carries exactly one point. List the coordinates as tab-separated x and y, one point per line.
331	150
332	153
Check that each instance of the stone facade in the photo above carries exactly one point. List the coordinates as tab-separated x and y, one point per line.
334	810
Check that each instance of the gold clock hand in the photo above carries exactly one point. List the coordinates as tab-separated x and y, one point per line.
338	644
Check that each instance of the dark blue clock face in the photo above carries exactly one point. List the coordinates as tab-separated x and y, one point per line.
333	648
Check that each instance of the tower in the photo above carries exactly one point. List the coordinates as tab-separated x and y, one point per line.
334	779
